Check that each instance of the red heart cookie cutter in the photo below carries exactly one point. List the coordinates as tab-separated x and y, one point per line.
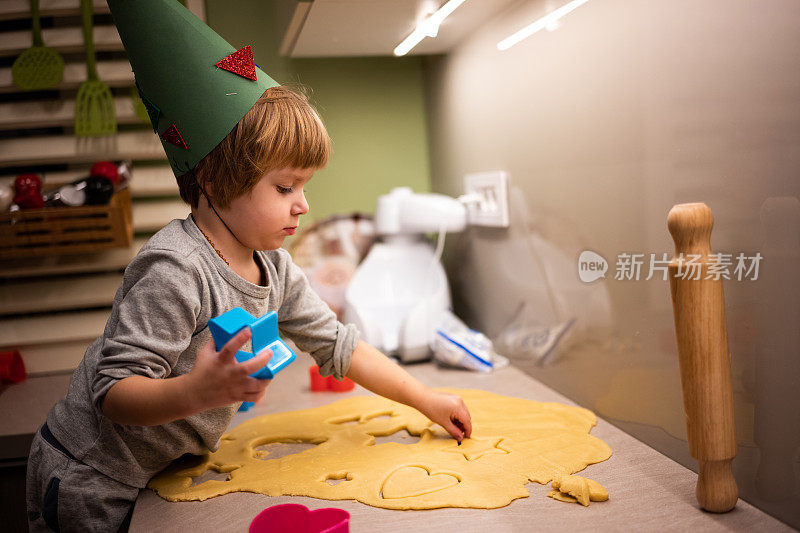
296	518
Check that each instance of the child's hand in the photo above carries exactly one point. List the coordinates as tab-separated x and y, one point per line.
449	411
217	379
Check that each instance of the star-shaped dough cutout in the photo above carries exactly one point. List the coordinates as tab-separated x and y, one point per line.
476	447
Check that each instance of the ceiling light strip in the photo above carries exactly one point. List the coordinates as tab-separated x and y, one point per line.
540	24
427	28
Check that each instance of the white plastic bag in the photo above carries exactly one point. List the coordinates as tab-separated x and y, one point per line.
524	338
459	346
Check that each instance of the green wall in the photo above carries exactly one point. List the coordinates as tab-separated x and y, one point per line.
374	110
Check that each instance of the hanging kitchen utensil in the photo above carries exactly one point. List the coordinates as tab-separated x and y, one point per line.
94	106
39	67
138	106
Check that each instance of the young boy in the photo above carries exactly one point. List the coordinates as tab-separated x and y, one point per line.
152	387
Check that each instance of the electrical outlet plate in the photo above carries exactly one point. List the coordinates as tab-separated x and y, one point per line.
492	207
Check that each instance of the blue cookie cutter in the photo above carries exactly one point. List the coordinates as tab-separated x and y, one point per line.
264	335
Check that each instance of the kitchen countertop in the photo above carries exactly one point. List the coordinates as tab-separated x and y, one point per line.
23	408
647	489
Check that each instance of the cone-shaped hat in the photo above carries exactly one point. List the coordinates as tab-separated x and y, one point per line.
195	85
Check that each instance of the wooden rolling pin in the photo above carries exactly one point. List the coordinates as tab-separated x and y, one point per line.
699	309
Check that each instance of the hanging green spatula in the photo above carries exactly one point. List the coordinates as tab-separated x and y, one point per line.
138	106
39	67
94	106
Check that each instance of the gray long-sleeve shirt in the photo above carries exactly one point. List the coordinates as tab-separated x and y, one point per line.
158	323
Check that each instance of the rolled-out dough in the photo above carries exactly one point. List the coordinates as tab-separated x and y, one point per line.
514	442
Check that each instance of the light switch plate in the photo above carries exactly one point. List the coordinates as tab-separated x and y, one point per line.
491	207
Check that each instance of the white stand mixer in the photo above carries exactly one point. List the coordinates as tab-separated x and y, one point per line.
398	293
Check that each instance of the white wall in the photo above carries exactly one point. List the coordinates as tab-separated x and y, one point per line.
630	107
627	109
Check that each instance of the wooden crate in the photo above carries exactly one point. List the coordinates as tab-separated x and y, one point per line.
67	230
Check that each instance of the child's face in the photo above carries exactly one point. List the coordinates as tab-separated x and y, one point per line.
263	218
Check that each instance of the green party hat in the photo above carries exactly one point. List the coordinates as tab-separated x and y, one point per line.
194	85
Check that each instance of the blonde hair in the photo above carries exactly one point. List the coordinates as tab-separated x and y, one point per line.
281	130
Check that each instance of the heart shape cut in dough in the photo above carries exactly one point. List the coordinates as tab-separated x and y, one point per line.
408	481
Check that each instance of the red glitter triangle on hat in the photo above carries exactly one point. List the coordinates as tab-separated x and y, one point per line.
240	62
173	136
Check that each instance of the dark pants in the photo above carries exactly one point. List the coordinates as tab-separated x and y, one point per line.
63	494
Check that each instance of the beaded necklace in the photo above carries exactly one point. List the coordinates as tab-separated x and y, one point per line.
214	247
263	280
